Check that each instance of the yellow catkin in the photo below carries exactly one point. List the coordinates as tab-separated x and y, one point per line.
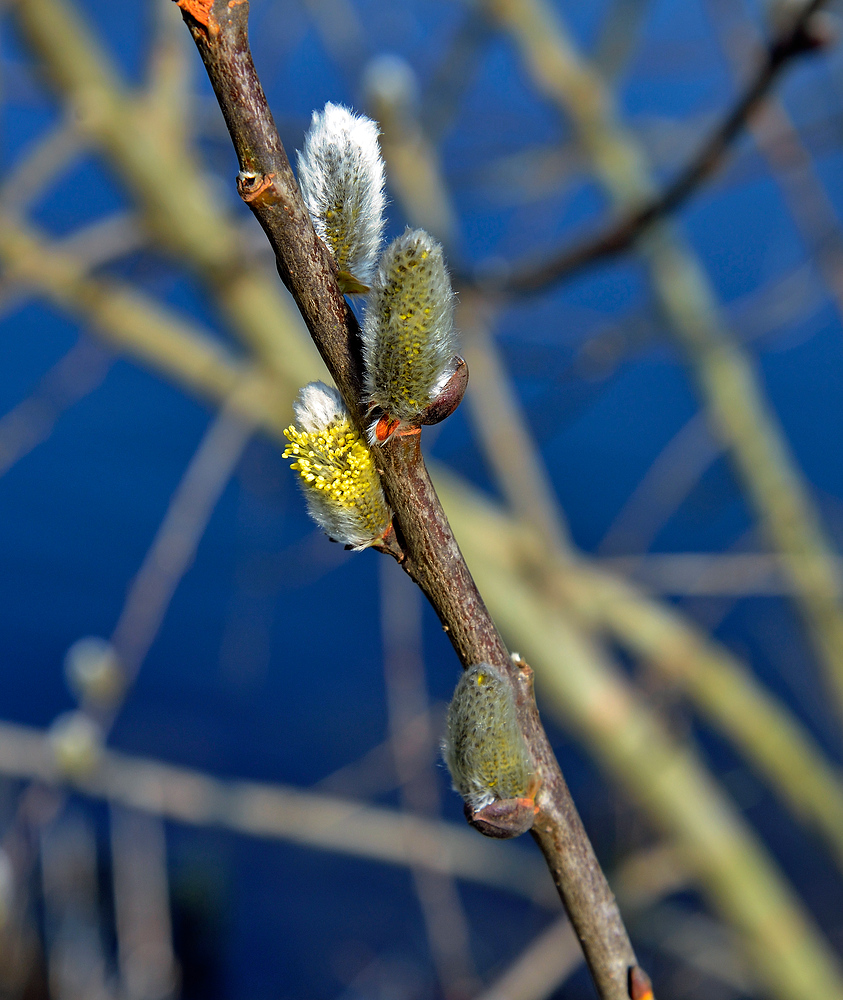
339	480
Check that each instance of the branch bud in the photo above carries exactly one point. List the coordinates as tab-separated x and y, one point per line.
341	175
336	473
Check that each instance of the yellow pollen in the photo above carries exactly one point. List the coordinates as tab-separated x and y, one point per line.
336	463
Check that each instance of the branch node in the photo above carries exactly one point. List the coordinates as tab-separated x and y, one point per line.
640	987
251	185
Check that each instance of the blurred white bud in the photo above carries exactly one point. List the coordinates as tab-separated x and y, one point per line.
93	671
76	741
389	82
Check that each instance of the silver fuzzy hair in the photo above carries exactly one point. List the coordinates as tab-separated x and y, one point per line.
483	747
408	333
341	175
318	405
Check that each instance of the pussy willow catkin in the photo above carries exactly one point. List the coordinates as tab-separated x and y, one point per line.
483	747
336	472
341	176
409	342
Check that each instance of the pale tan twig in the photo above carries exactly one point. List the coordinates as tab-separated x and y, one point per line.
342	31
668	481
105	240
700	943
501	427
792	166
130	321
177	200
170	77
414	171
642	879
40	164
619	36
686	574
374	773
148	969
541	968
174	547
278	812
31	421
74	945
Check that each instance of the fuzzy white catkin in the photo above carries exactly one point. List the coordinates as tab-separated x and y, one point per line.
337	475
408	333
341	175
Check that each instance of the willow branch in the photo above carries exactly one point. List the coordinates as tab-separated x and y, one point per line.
430	553
181	353
133	323
599	705
761	727
766	733
794	39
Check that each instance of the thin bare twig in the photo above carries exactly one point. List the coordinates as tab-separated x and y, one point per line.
31	422
177	539
429	551
790	162
279	812
541	968
793	40
170	187
725	374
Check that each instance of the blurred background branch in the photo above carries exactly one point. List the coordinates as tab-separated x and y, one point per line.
801	32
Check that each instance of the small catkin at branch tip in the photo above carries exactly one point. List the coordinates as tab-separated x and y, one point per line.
341	175
336	473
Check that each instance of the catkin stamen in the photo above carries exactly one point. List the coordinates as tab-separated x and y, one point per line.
336	471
